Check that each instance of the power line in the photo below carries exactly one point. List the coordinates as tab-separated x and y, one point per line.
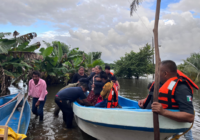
141	20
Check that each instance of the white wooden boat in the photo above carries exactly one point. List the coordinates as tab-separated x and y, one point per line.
126	123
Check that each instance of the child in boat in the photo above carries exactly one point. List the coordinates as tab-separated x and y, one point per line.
106	89
114	79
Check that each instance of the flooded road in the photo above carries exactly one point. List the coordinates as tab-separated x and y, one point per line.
52	128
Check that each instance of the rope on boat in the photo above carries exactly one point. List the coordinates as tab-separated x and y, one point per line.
10	100
178	136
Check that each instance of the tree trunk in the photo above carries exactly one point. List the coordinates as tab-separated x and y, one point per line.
157	72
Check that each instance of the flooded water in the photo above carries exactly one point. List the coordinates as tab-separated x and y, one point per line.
52	128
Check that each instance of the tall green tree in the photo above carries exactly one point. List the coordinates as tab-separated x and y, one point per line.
191	66
135	63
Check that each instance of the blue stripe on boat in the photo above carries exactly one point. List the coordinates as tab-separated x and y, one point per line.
138	128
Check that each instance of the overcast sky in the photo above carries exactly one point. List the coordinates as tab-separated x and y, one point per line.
106	25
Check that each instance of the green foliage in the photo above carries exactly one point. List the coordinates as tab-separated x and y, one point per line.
65	48
93	59
3	34
17	43
96	55
57	63
14	67
191	66
135	64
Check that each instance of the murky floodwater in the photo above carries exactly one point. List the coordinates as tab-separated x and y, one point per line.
52	128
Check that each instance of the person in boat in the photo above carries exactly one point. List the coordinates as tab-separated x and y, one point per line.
114	79
66	97
95	85
57	109
109	93
79	75
37	89
93	69
110	74
176	92
148	101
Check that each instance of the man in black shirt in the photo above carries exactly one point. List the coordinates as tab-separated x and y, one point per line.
183	97
65	97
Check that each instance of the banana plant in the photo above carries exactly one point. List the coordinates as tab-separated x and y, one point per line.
93	59
19	43
12	70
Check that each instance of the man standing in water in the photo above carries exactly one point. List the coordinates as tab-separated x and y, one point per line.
37	90
66	97
176	92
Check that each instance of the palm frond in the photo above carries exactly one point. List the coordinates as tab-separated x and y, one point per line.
3	34
134	5
191	64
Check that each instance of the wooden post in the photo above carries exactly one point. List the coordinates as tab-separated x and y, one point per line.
157	72
153	54
5	135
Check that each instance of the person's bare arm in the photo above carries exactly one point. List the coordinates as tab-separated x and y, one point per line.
141	103
84	102
177	116
118	85
80	101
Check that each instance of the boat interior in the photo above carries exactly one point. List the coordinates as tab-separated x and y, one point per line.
6	110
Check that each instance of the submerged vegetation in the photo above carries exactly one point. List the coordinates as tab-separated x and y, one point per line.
57	62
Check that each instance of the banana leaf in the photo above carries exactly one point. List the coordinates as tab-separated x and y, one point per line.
47	52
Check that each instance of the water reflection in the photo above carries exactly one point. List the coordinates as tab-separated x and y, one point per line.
52	128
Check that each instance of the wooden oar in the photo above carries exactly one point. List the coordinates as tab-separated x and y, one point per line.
21	113
20	97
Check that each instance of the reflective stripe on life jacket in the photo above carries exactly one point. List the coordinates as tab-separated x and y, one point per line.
166	92
113	97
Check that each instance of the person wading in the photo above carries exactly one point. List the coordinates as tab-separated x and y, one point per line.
57	109
66	97
38	90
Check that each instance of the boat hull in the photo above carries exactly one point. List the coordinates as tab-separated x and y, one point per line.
128	122
103	132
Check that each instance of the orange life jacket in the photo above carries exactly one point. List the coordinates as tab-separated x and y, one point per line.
166	92
113	97
111	73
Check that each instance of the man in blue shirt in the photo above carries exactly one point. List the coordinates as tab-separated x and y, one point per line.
65	97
